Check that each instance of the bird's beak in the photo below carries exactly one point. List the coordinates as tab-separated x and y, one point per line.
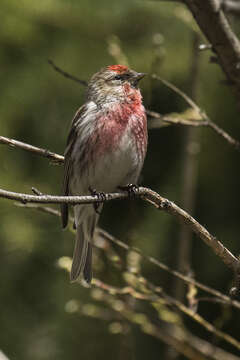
137	77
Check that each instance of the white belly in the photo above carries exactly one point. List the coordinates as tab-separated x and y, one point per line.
118	167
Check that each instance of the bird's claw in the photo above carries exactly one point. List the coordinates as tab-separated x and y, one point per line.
101	197
132	189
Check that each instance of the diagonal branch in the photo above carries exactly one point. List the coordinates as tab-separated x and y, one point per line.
66	74
200	118
171	86
145	194
38	151
161	120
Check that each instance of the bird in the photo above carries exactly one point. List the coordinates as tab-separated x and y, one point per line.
105	150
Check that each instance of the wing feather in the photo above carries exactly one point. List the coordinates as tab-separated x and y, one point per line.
68	160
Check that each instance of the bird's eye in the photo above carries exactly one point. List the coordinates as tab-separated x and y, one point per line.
118	77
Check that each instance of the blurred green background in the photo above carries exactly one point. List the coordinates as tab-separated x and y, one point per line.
36	107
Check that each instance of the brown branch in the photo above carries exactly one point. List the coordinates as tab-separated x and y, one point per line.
66	74
200	118
235	143
171	86
183	217
175	119
212	21
145	194
38	151
162	120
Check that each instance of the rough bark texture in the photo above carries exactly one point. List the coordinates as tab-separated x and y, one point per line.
212	21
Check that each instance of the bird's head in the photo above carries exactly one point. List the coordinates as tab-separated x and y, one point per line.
113	83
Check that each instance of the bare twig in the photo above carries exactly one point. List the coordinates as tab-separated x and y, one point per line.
188	100
235	143
173	119
159	121
146	194
36	191
38	151
44	209
66	74
200	120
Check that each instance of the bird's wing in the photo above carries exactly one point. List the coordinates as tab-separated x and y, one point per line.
68	159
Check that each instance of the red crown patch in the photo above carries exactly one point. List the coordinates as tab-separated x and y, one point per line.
118	68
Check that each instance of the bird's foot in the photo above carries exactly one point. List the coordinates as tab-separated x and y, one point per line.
101	197
132	189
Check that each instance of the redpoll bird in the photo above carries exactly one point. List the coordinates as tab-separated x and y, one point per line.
106	148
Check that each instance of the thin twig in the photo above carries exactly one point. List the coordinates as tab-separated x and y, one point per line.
38	151
66	74
36	191
188	100
202	120
163	120
44	209
235	143
175	119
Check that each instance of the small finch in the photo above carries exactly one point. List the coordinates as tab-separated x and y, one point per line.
105	149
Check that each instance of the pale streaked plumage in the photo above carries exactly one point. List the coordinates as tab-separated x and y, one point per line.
106	148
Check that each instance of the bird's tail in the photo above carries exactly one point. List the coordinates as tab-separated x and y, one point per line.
85	219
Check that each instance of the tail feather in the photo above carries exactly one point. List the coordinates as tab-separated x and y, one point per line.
87	271
86	219
79	254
